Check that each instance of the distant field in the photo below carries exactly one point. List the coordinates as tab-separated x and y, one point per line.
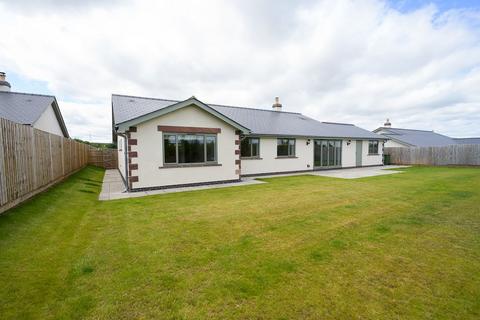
402	246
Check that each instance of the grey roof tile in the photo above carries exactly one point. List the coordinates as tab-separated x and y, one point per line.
418	138
467	140
259	121
24	108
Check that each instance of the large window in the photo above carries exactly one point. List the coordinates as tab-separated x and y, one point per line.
373	147
285	147
250	148
189	148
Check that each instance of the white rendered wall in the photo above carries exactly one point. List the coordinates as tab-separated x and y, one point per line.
151	171
371	160
48	122
391	143
269	163
348	153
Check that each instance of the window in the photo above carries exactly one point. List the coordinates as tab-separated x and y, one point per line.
285	147
250	148
373	147
211	142
189	148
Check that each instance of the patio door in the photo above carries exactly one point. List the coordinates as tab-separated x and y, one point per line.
327	154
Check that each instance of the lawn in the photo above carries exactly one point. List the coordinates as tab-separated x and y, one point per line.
403	246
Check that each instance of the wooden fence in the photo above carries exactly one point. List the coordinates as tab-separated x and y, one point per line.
105	158
32	160
458	154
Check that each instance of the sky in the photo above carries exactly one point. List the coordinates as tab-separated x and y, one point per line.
357	61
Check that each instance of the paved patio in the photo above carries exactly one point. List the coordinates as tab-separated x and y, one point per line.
114	188
355	173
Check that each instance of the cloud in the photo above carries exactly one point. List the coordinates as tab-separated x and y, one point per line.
31	6
344	61
87	121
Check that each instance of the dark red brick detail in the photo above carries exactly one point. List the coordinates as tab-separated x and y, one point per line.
237	142
129	160
132	129
132	142
133	154
237	162
188	129
237	151
133	166
133	179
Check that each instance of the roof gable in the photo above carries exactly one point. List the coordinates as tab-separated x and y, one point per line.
140	117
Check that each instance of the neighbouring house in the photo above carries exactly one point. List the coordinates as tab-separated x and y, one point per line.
399	137
36	110
164	143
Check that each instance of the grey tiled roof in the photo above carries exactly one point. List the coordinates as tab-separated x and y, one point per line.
26	108
259	121
417	138
23	108
467	140
127	107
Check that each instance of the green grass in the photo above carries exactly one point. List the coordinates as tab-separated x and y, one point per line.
404	246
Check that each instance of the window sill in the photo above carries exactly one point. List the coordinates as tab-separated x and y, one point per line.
190	165
251	158
286	157
373	154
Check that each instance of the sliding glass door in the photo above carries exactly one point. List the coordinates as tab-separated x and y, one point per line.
327	153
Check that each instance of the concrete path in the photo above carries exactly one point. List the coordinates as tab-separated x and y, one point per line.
114	188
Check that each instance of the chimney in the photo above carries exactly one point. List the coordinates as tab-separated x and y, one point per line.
387	124
4	85
277	106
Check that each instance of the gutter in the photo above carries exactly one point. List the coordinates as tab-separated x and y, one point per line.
380	137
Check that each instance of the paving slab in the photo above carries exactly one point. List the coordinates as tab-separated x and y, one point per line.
355	173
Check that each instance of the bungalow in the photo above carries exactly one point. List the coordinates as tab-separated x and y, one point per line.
165	143
36	110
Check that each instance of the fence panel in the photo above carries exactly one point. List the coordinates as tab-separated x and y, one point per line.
459	154
32	160
105	158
